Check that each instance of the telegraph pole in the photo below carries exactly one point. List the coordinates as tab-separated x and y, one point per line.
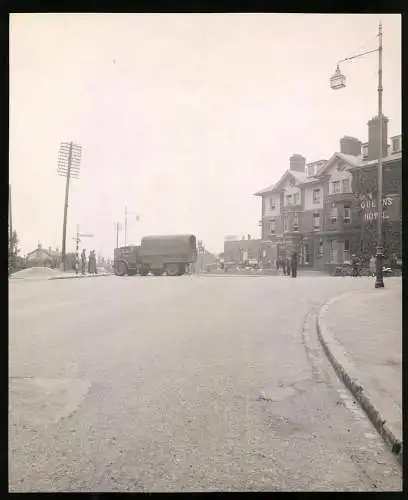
69	158
117	234
125	225
10	216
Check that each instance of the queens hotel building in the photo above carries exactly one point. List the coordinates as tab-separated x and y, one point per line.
326	210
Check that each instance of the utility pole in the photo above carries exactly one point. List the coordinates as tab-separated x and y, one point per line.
69	159
117	234
10	216
125	225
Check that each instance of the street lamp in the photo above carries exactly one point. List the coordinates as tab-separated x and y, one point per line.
337	81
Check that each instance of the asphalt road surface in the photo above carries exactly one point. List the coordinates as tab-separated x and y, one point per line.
183	384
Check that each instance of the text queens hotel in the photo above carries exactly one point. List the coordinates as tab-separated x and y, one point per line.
326	210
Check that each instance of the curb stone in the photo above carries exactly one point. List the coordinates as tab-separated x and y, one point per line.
78	276
339	361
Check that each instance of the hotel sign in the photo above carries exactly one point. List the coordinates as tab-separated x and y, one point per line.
369	206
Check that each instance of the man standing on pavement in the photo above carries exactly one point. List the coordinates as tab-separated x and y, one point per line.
288	266
294	264
355	263
83	261
284	266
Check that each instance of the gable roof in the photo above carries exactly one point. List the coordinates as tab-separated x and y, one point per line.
299	177
352	161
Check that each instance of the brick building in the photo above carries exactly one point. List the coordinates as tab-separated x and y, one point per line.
249	251
325	210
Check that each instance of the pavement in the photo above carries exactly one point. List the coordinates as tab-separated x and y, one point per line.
46	273
163	384
362	333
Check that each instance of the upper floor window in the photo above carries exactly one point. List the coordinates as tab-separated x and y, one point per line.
336	187
292	182
311	170
364	150
296	199
333	214
272	203
289	199
316	195
316	220
347	213
295	222
285	223
345	185
272	226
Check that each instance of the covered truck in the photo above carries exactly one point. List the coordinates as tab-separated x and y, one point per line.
157	255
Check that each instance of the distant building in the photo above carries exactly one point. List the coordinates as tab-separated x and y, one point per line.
249	251
41	257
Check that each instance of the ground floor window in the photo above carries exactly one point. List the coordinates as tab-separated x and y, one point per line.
346	252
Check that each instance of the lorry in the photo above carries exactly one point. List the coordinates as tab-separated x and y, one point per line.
157	255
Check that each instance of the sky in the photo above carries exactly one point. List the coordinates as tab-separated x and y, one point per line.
181	117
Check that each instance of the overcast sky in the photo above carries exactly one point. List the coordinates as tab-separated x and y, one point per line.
182	117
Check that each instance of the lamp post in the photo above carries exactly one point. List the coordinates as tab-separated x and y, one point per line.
338	81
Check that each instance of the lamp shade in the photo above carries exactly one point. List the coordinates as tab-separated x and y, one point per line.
338	80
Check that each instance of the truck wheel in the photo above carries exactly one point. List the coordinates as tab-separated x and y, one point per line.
121	269
182	269
157	272
172	269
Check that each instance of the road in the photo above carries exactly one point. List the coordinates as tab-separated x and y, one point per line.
188	383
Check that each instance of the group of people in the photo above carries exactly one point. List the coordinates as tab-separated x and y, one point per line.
91	262
288	265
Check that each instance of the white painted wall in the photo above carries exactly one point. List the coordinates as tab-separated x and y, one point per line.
336	175
290	190
268	212
309	205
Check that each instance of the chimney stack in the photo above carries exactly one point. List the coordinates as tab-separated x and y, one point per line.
298	163
374	138
350	146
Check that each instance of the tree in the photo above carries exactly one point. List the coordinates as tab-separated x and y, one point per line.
13	252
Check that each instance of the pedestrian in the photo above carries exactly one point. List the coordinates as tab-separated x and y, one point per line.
284	266
76	263
288	266
355	265
83	261
90	262
294	264
372	265
277	264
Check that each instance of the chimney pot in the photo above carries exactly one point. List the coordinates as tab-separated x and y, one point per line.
297	163
374	138
350	146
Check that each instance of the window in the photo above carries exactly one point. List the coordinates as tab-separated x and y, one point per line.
311	170
347	214
345	185
316	221
316	195
272	226
285	223
292	182
296	222
296	199
321	248
332	252
336	187
364	150
289	199
333	214
346	256
272	203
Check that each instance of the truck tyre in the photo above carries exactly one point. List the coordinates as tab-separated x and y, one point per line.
172	270
121	269
144	271
157	272
182	269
